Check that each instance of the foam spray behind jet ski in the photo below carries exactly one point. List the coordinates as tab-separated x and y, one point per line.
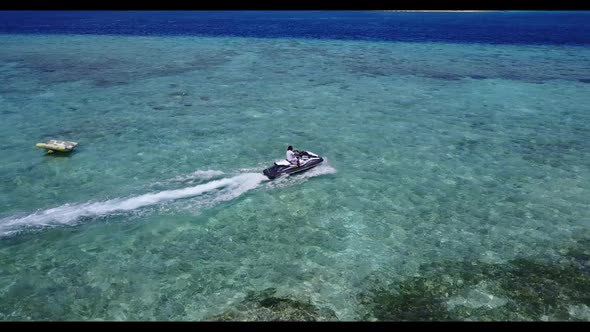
307	160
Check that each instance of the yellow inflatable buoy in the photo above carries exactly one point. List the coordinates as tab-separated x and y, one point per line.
55	145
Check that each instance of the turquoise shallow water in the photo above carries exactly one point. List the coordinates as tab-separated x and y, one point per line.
441	158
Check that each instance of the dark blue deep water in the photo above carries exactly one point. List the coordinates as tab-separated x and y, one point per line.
505	27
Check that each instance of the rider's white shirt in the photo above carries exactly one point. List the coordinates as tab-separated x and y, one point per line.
291	157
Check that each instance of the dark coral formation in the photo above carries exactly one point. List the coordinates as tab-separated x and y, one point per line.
267	306
529	289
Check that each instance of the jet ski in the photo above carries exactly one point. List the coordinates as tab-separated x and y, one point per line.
307	160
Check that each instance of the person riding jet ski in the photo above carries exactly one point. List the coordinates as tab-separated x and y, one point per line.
293	156
296	161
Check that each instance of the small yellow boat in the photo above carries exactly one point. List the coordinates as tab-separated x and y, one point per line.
55	145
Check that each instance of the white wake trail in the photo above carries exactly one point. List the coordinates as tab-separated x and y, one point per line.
72	213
